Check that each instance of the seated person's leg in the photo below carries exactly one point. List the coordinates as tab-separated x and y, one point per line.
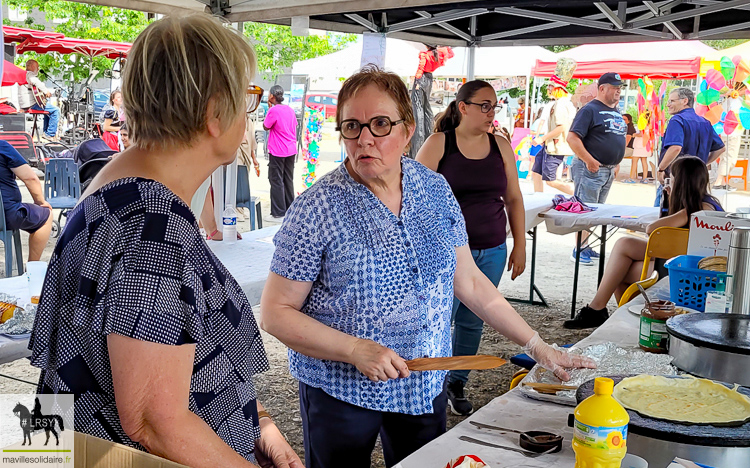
37	221
51	121
624	266
620	269
208	221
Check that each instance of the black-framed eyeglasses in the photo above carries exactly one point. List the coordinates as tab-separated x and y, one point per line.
252	97
486	107
379	126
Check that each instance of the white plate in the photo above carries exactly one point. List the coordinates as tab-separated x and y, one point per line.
637	308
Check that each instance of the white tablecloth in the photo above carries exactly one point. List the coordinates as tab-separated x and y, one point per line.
515	411
248	260
535	204
635	218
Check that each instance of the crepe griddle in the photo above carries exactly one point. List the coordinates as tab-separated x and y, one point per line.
722	332
694	434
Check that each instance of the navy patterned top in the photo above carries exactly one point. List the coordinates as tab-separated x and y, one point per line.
131	261
376	276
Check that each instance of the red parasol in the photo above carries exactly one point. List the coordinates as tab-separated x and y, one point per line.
13	74
70	45
14	34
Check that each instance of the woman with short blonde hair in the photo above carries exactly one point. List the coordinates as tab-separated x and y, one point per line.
138	319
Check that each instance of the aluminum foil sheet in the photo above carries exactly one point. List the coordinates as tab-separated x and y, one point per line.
22	321
610	360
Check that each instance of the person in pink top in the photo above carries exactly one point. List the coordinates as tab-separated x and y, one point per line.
281	123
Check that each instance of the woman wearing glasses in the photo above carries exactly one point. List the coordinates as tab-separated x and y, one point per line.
481	171
362	279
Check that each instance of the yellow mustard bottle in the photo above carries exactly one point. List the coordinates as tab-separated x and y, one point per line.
601	428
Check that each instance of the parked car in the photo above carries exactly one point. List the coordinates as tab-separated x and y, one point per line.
327	100
101	99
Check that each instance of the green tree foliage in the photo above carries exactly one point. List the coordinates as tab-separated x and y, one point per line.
81	21
724	44
278	49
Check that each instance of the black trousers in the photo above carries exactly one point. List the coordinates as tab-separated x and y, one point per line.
339	434
281	176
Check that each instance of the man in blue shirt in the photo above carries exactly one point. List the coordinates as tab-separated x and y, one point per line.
34	218
687	134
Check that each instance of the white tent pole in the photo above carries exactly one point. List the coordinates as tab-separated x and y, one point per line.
472	50
528	103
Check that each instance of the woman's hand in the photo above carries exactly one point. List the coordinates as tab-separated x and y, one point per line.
377	362
553	359
272	450
517	261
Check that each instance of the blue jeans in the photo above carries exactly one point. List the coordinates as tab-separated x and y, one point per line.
591	187
657	200
467	327
51	120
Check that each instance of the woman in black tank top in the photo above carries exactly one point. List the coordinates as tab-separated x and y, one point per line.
481	170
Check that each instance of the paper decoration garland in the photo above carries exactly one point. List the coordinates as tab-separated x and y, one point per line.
730	80
651	111
314	117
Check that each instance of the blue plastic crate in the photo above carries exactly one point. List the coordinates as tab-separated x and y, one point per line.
688	284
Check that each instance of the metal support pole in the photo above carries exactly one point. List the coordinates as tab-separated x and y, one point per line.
528	104
532	281
579	236
472	50
602	253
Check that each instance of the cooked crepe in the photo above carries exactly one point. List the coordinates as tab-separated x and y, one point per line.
683	399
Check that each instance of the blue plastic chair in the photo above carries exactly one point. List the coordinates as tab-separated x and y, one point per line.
8	238
62	188
244	199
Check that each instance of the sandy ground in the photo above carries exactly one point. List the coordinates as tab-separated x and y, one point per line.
278	390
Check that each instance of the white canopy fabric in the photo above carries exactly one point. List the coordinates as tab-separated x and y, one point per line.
495	61
401	57
662	50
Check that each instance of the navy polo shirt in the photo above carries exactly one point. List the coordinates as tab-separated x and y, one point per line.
694	133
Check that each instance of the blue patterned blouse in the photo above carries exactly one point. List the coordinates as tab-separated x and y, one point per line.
376	276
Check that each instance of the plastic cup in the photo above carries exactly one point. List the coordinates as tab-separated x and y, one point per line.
36	271
633	461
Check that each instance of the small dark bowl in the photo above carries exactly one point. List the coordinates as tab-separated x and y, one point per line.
540	441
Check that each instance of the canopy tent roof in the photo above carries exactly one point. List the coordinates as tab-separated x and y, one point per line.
401	57
487	22
495	61
70	45
629	69
647	51
14	34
